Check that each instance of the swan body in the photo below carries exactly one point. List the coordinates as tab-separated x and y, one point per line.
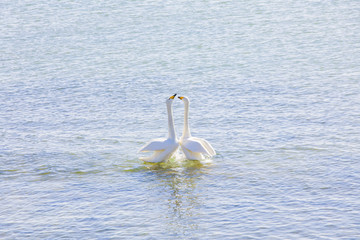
194	148
163	148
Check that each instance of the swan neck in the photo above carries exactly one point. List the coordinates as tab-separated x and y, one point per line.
186	131
172	133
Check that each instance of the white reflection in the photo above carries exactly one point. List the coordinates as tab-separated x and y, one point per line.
177	183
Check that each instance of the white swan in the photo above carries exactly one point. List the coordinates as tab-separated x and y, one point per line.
163	148
194	148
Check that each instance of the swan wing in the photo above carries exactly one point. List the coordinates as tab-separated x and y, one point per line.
207	145
194	145
157	144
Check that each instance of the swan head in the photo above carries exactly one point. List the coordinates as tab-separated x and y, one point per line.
184	99
170	99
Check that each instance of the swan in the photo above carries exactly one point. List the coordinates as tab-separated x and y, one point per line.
163	148
194	148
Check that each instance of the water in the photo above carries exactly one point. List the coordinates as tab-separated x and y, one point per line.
274	87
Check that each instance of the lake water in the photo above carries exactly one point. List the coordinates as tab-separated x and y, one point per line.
274	87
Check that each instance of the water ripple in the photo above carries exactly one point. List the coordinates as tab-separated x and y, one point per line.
274	87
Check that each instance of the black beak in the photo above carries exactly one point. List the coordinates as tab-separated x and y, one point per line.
173	96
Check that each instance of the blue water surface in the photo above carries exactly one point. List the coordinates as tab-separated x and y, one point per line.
274	87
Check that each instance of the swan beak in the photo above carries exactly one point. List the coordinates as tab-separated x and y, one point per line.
181	98
173	96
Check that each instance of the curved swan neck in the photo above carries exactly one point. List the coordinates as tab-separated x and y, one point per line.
172	133
186	131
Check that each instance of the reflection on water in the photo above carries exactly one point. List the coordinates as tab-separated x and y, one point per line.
177	182
274	87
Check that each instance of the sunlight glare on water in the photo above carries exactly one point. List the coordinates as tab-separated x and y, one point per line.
274	87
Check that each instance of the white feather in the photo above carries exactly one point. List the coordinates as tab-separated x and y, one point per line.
194	148
163	148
